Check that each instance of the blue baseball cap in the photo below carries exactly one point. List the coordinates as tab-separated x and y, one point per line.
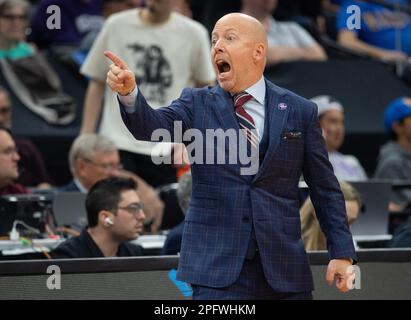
396	111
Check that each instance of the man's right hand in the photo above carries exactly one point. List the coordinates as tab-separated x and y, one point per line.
119	77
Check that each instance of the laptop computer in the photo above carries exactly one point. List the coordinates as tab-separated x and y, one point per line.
373	219
70	209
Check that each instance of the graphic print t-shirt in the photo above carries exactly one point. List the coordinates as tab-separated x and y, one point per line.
166	58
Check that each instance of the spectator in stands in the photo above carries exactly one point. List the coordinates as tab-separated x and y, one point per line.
27	72
92	158
115	216
331	115
32	169
9	159
394	162
13	28
172	244
311	233
77	19
384	34
287	41
164	62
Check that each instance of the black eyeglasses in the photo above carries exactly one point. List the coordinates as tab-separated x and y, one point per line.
12	17
134	208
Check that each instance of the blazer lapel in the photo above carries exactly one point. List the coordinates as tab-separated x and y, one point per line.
277	114
222	104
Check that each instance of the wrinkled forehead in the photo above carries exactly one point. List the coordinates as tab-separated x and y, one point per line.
234	24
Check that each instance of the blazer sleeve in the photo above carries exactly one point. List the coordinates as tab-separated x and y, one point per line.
325	192
145	120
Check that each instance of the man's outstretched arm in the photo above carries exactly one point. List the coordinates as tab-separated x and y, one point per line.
139	117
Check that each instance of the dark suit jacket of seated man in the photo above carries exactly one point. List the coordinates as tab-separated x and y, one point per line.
230	213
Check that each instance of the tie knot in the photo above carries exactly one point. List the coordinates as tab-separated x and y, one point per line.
241	98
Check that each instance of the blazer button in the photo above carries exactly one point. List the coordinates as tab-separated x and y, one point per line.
246	219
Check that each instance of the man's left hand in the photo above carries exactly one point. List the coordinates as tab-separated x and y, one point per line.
342	272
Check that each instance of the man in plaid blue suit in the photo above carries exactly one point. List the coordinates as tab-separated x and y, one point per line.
242	237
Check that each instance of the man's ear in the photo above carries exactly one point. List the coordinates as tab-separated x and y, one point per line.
105	218
259	52
79	166
397	128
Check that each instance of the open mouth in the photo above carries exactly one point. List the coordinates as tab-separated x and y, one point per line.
223	66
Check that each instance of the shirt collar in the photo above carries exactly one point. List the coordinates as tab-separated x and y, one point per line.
257	90
80	186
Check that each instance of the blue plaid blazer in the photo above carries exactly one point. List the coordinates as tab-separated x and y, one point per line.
225	203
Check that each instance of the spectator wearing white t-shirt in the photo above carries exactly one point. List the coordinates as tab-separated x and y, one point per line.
168	52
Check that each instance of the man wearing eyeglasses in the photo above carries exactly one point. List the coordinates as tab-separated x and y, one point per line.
115	217
32	168
92	158
9	171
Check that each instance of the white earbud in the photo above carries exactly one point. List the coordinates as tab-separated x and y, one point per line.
109	221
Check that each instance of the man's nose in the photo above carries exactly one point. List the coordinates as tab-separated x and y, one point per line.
218	46
113	172
141	215
16	156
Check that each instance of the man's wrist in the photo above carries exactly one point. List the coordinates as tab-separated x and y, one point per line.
129	93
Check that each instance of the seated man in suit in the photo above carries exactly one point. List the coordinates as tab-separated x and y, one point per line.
242	233
9	159
92	158
115	216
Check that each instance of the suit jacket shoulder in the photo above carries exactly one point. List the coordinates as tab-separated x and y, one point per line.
70	187
299	102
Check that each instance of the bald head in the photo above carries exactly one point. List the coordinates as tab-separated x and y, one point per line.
239	44
248	24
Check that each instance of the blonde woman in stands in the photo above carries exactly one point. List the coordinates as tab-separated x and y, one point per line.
311	233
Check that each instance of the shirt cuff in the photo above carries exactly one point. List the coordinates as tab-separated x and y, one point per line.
129	101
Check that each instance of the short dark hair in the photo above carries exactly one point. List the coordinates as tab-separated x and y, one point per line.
105	195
